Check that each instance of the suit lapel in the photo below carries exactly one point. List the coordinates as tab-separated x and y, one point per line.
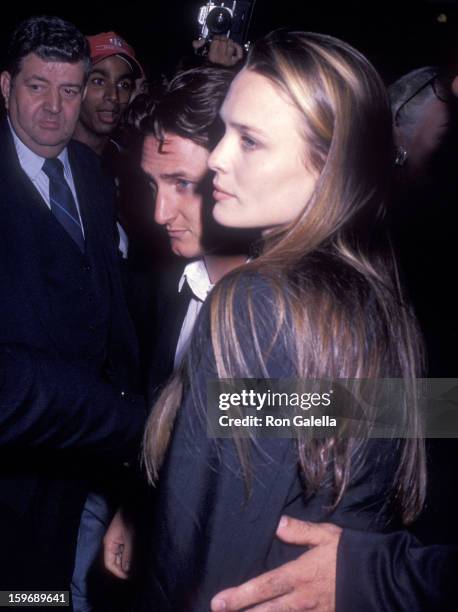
99	224
173	320
171	312
85	192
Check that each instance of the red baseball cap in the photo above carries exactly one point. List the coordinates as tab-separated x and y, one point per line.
106	44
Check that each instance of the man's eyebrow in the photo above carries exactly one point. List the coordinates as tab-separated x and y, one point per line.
37	77
104	73
180	174
99	71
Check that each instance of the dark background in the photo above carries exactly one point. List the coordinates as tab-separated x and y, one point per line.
396	35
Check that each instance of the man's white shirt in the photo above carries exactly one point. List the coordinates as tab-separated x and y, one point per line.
196	276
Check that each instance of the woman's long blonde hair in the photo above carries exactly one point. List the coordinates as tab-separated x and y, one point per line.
336	300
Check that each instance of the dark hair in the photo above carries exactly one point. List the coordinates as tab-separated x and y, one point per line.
188	106
51	38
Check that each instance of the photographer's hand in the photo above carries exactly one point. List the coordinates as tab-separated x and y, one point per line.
308	583
222	50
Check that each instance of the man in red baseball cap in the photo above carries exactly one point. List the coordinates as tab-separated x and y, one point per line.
110	86
109	89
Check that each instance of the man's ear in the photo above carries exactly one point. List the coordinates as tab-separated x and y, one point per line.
455	87
5	84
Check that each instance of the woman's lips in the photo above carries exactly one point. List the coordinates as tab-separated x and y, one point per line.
220	195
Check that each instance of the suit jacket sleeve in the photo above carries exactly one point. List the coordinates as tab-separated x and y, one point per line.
386	572
47	403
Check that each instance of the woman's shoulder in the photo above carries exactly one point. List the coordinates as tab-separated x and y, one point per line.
321	277
242	300
249	276
251	284
331	271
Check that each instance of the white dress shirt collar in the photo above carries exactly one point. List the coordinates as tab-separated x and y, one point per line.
196	275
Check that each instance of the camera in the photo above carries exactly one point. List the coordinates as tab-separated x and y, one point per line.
230	19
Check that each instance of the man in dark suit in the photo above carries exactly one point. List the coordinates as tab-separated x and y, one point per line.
179	132
67	347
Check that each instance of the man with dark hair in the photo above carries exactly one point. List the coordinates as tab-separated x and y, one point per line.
49	38
67	347
181	126
180	132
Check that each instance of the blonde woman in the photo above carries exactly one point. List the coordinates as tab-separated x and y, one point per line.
305	158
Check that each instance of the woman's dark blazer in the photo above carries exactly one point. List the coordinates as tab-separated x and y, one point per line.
207	534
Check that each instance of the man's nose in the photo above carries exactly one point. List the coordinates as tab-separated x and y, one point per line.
112	93
53	102
165	209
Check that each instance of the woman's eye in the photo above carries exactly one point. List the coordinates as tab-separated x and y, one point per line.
97	81
248	143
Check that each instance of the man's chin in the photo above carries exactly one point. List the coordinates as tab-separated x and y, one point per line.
105	129
45	145
51	139
186	253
